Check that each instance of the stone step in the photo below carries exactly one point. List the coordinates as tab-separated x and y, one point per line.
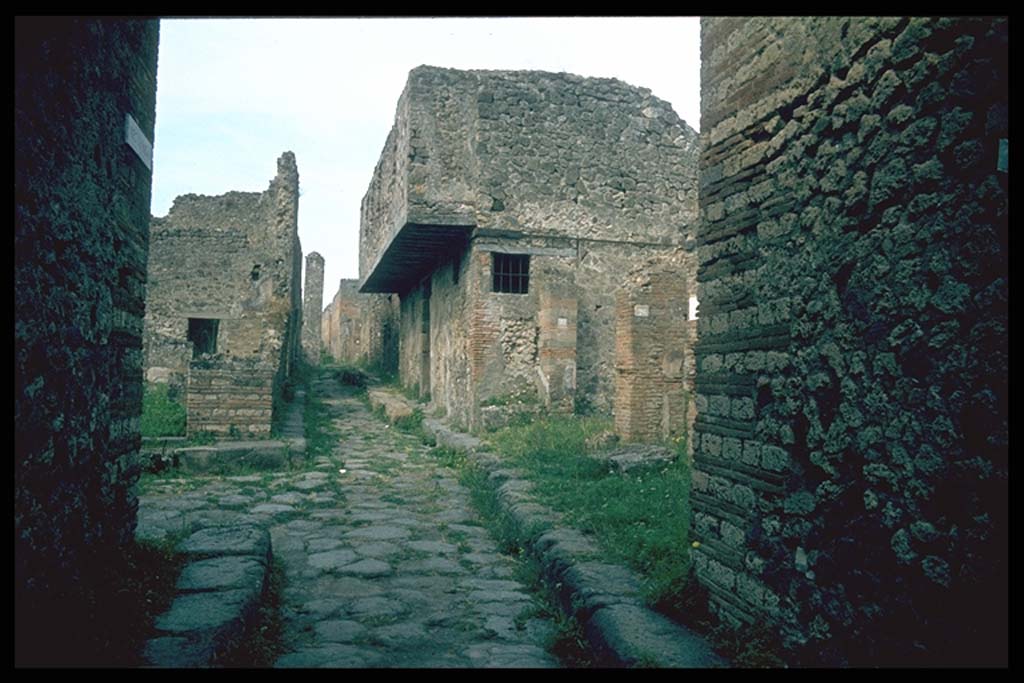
218	594
395	407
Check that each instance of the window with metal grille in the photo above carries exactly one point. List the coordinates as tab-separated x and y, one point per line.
511	273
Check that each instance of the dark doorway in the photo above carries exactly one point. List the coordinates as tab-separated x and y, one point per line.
202	332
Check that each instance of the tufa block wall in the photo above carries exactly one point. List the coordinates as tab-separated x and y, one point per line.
235	259
81	239
850	475
313	295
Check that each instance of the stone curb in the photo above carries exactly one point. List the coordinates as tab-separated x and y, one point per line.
604	598
218	593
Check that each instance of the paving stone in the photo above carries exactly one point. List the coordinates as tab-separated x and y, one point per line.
290	498
491	584
339	630
469	530
310	485
333	559
316	545
330	655
439	547
500	627
498	596
348	587
272	509
233	500
376	607
379	533
378	550
367	567
228	540
433	565
219	573
304	526
323	498
324	606
401	633
197	611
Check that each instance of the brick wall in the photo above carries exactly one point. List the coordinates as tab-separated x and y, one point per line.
654	352
230	397
850	477
81	240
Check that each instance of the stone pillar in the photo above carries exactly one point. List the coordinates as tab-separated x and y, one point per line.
652	340
311	304
556	347
85	98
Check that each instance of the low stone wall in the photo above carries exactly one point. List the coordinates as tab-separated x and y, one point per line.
230	397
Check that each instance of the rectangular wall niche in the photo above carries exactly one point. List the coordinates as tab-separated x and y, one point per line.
511	273
202	332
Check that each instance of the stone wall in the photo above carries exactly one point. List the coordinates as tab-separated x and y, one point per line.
313	295
81	238
654	361
362	328
851	468
234	259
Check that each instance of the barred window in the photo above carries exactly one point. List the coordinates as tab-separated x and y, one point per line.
511	273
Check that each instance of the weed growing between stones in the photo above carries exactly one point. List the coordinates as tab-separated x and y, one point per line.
566	641
351	375
202	439
321	434
162	413
263	641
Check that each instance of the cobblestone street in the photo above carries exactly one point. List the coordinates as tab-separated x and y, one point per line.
386	563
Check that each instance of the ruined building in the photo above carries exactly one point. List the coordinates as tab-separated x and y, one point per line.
850	477
313	295
505	210
223	304
361	328
84	113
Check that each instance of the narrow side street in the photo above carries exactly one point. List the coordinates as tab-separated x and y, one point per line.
385	561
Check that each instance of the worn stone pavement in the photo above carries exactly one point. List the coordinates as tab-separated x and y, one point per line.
386	562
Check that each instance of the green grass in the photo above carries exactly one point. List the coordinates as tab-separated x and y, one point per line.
641	520
350	375
162	415
321	434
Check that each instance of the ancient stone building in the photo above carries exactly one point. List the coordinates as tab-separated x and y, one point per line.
505	209
223	304
313	296
850	477
84	112
362	328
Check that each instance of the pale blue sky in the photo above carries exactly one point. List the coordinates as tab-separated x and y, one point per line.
233	94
